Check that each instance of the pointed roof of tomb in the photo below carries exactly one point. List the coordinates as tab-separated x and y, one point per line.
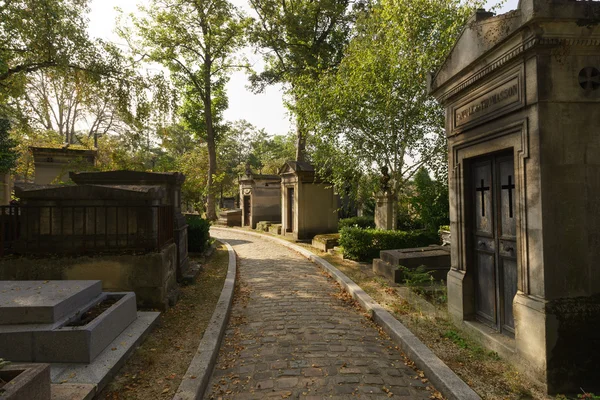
489	42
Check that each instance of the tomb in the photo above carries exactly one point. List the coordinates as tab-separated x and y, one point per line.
170	181
522	94
309	205
84	333
435	259
230	217
120	234
260	198
52	165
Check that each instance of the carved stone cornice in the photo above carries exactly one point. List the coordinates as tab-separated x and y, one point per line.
510	55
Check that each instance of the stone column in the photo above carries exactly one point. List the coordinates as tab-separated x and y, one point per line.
384	211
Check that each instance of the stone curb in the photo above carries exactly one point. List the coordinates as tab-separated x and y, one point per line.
196	378
438	373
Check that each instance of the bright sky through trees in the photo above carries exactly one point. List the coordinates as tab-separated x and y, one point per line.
264	110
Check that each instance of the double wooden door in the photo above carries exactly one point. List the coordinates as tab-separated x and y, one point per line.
247	210
494	254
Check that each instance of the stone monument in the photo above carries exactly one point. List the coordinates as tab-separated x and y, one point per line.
260	198
309	206
84	333
384	203
522	95
54	164
170	181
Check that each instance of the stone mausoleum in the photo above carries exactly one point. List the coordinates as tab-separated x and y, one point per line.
52	165
260	198
522	98
309	206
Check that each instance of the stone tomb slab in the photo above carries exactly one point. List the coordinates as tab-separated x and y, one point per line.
434	258
43	302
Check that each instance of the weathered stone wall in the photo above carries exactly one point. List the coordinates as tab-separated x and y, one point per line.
151	276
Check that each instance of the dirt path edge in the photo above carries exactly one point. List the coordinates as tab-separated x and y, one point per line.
196	379
438	373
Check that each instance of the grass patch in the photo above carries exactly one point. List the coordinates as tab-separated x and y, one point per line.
158	365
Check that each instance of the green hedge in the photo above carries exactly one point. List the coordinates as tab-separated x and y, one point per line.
361	222
197	233
365	244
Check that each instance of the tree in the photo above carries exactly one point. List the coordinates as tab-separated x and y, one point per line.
430	201
195	40
8	153
375	107
37	35
300	40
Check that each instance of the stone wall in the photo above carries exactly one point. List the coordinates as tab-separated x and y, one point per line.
151	276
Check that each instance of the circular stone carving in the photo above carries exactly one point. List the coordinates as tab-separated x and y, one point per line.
589	78
247	191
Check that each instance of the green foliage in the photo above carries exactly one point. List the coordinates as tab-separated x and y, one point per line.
416	277
444	228
198	233
8	152
430	201
361	222
365	244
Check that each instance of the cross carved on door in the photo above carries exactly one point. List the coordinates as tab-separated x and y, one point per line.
482	189
510	188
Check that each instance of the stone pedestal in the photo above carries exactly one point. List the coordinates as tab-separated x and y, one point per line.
384	211
522	93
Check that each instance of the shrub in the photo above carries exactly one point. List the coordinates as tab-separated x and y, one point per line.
361	222
198	234
365	244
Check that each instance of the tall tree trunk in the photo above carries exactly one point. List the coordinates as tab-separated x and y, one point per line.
211	213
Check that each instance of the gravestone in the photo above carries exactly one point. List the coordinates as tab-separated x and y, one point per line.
309	205
54	164
522	94
260	198
84	333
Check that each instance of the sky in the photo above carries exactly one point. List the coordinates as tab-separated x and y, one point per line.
265	110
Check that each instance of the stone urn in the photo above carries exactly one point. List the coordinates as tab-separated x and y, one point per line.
445	235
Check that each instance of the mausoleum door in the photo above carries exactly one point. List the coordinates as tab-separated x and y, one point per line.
290	209
247	210
494	241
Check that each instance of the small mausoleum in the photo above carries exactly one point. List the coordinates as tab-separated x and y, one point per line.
170	181
522	98
309	205
52	165
260	198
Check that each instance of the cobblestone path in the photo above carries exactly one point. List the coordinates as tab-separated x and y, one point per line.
292	336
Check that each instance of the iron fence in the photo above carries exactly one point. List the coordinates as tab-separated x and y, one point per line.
60	229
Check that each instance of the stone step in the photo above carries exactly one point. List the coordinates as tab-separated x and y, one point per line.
44	302
63	343
109	361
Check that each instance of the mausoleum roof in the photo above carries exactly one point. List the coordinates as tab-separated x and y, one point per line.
123	177
89	192
488	42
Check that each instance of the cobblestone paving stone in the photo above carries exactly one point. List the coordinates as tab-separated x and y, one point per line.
293	335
